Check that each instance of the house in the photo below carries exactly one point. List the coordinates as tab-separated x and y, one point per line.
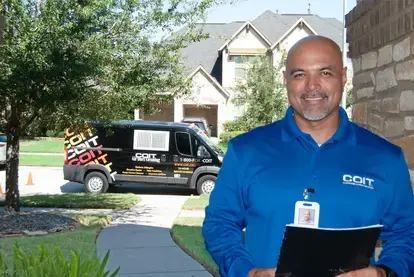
216	63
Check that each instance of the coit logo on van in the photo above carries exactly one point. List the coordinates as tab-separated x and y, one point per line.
145	157
358	181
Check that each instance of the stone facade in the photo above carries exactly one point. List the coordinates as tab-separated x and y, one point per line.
380	35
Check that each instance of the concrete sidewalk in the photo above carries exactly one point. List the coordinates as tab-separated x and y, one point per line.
140	241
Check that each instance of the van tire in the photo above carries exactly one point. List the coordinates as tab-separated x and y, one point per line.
96	182
205	184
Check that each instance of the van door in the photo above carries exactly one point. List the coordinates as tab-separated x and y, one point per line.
185	158
148	160
152	156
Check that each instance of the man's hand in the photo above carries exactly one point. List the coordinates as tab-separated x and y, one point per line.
262	272
370	271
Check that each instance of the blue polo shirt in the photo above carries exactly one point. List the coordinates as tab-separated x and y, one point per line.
359	179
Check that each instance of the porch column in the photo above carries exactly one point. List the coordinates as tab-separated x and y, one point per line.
136	114
178	110
221	118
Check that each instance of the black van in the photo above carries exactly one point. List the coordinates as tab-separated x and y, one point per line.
141	152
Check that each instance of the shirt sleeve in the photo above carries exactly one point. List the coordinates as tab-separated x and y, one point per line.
398	221
225	219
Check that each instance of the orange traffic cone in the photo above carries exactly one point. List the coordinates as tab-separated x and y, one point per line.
30	180
1	190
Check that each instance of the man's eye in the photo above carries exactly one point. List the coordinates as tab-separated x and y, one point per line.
326	73
298	75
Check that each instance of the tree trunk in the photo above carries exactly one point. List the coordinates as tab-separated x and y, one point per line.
12	163
1	26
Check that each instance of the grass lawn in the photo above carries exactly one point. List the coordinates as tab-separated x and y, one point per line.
198	203
82	200
186	232
81	239
42	146
38	160
223	146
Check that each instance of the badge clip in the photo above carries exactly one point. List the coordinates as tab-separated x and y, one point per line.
307	192
307	212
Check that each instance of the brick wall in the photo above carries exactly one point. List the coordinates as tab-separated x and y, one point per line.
380	34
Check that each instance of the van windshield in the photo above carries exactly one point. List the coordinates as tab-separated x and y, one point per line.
208	141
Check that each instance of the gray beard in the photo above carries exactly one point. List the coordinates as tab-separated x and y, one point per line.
311	117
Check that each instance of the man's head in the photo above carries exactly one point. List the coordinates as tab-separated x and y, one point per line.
315	77
307	215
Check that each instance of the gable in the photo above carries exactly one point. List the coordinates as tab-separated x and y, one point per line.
248	38
295	35
205	89
299	30
275	26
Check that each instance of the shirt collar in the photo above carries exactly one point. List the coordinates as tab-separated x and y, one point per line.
344	133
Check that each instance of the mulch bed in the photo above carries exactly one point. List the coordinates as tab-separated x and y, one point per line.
34	224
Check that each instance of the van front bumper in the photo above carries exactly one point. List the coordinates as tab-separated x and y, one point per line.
73	173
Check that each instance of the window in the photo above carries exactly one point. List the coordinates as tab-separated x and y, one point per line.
241	63
183	143
151	140
240	72
243	59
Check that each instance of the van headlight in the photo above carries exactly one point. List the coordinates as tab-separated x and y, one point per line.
220	158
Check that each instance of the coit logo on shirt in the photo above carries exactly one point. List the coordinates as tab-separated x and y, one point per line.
358	181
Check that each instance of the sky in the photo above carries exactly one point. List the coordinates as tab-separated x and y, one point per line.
245	10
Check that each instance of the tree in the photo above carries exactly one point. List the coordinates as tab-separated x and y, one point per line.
75	60
262	95
349	97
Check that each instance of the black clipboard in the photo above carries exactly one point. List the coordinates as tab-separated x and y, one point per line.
323	252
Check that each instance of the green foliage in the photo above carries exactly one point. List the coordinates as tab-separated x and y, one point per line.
227	136
349	97
234	128
46	263
69	60
263	94
82	200
66	61
235	125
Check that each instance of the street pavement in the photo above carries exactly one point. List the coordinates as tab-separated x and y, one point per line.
41	180
49	180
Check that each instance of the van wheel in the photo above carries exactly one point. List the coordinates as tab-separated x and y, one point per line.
96	182
205	184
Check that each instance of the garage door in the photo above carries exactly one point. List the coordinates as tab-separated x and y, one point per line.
209	112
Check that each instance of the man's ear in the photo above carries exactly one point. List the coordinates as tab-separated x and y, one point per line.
284	78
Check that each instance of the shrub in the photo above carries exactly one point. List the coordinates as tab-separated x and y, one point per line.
44	263
55	134
226	136
236	125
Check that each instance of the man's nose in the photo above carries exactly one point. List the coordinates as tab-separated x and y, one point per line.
313	83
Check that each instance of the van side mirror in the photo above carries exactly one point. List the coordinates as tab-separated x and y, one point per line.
202	152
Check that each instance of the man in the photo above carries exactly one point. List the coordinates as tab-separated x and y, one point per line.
306	218
354	173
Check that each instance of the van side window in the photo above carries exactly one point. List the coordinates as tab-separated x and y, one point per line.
151	140
183	143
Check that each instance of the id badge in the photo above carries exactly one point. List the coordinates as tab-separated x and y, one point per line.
307	214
